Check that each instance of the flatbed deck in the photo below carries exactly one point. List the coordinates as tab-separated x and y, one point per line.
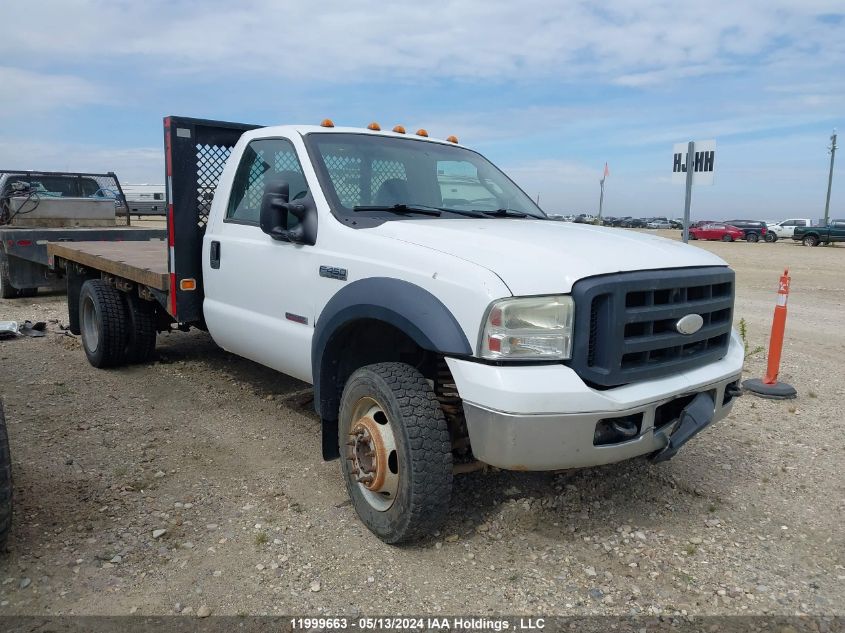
141	262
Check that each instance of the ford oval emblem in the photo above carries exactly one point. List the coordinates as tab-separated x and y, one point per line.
690	324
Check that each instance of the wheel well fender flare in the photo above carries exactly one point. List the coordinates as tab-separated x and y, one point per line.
409	308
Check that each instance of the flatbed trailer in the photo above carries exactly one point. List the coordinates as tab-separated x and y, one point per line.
24	260
160	278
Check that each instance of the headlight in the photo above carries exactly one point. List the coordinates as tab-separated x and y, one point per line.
529	328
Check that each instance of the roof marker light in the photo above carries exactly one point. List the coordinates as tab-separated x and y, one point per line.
326	123
399	129
452	139
375	127
422	132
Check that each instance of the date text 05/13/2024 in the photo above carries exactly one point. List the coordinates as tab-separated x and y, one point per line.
419	623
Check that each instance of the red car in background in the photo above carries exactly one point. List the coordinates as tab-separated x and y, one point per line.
716	231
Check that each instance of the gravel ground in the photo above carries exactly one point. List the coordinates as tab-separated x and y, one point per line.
194	485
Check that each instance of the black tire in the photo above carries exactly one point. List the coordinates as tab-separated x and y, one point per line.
7	290
27	292
810	240
5	483
752	237
692	236
771	237
141	338
727	238
423	461
104	322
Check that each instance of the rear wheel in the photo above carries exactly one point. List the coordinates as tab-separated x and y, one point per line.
7	290
752	237
141	337
810	240
396	451
727	238
104	323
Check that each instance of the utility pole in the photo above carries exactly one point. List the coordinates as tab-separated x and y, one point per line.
604	176
832	150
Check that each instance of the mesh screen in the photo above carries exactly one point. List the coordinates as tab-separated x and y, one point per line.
384	170
210	162
345	174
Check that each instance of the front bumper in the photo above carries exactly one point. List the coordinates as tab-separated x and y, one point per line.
543	417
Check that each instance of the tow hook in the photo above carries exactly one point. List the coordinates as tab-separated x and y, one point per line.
694	418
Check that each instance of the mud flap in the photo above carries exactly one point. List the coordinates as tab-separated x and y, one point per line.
694	418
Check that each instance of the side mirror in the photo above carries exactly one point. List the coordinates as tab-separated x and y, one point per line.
276	211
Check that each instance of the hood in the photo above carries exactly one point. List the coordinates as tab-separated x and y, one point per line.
536	257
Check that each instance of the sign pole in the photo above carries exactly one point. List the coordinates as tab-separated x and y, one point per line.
601	197
830	177
690	169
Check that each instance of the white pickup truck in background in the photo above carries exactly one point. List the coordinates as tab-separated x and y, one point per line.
785	228
443	320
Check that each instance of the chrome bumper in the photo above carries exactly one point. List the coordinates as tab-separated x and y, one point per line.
558	441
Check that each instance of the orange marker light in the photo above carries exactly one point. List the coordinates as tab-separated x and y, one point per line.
327	123
422	132
399	129
188	284
375	127
452	139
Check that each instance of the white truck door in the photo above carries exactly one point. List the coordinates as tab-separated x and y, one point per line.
257	299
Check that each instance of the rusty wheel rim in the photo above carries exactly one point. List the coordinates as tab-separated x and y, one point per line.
373	460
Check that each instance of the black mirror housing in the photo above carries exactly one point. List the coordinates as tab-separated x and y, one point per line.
276	211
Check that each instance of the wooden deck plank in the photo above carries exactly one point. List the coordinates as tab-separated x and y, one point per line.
141	262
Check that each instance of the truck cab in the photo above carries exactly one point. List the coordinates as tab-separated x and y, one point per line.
445	322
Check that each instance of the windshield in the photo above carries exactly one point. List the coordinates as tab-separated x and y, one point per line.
365	172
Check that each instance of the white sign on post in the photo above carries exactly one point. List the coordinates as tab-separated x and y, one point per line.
704	163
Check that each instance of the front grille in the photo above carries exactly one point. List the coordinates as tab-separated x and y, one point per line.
625	323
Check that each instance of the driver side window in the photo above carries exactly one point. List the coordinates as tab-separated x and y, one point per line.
265	162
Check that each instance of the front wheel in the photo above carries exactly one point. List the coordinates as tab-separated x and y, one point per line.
771	237
396	454
727	238
810	240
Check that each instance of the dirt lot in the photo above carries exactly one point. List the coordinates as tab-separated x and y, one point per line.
218	452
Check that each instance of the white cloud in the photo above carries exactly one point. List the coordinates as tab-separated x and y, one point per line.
27	92
132	165
623	41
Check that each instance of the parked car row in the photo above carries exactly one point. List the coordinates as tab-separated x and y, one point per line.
799	229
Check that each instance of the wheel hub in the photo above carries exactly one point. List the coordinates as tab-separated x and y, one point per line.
371	454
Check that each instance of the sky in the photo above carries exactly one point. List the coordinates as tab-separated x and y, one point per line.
547	90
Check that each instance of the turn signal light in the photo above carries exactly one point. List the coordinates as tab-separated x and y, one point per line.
327	123
422	132
452	139
399	129
375	127
188	284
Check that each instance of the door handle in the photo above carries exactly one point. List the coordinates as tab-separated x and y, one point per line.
214	254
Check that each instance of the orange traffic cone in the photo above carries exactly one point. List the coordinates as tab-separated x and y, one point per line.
769	387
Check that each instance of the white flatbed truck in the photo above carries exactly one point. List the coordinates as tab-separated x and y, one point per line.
443	320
